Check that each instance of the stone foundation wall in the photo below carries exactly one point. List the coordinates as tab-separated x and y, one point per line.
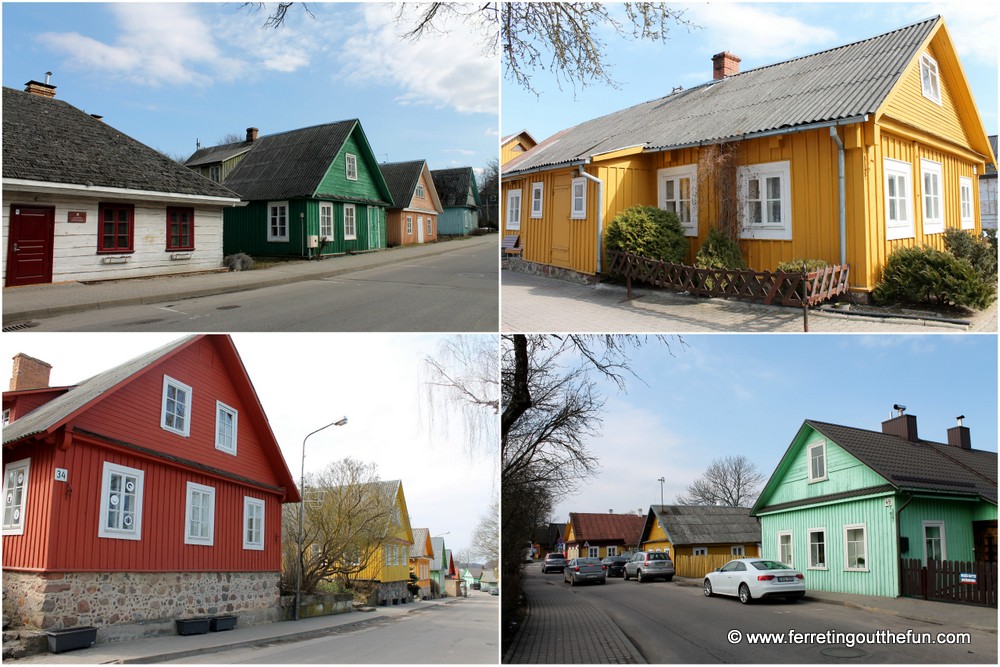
518	265
125	605
393	592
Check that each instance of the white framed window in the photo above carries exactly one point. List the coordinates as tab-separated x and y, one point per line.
699	551
409	224
613	550
817	461
176	413
277	221
930	176
785	554
326	220
514	209
253	523
226	427
765	192
934	542
898	199
856	547
6	417
430	225
594	552
15	495
930	84
352	167
121	502
965	202
420	191
817	549
350	222
737	550
677	192
537	190
578	210
199	515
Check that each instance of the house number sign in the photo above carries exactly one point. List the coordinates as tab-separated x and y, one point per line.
62	475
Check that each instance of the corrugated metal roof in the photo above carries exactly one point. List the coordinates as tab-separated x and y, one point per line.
834	85
214	154
402	177
453	186
707	524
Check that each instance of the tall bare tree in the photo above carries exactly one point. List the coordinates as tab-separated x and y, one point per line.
486	536
733	481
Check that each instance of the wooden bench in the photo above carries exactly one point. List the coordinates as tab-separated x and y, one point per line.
510	245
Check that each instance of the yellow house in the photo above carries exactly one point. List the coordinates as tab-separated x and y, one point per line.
514	145
421	552
598	535
390	566
700	538
844	155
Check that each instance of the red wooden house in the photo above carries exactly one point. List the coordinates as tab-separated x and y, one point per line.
147	493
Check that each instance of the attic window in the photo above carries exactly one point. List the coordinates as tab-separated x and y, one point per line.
352	167
817	462
226	423
420	191
930	85
176	413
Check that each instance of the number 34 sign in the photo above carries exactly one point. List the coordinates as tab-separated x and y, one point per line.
62	475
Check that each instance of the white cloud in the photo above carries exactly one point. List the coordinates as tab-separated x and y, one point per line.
751	31
973	26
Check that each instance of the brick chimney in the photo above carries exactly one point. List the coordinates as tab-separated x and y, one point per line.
724	64
903	426
41	89
958	435
251	134
29	373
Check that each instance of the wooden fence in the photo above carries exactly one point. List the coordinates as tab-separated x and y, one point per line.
696	567
966	582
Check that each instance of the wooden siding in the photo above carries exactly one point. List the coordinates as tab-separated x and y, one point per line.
31	548
336	183
400	537
516	145
395	227
957	516
457	221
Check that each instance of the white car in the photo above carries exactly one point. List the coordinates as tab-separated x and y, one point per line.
755	578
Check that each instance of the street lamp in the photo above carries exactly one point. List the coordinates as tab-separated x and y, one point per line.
302	502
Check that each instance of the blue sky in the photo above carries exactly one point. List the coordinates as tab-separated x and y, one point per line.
216	71
749	394
760	34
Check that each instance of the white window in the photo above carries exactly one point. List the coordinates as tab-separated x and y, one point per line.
898	200
785	548
409	224
176	412
513	209
121	503
352	167
677	192
817	461
817	548
612	551
430	226
199	517
277	221
965	201
15	494
350	222
536	199
930	174
326	220
594	552
6	417
737	550
855	547
765	194
253	523
420	190
700	551
579	207
934	544
930	84
226	423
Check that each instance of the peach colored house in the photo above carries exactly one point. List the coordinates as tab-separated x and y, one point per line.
414	217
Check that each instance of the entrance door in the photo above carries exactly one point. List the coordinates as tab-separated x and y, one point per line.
562	201
29	245
420	229
373	229
984	537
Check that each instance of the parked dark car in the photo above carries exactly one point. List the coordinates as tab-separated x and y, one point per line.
615	565
554	562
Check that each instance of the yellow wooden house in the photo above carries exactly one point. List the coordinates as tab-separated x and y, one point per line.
597	535
700	538
421	553
389	568
513	145
844	155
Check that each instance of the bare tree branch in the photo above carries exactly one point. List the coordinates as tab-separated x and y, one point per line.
732	481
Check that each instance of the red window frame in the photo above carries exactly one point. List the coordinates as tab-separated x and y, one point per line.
180	235
117	245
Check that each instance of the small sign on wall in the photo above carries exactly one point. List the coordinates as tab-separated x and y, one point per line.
62	475
76	216
967	578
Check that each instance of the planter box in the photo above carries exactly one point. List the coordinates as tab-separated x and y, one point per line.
220	623
192	626
71	638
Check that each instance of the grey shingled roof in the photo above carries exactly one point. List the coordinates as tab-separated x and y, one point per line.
51	141
834	85
707	524
991	169
214	154
453	185
420	536
402	177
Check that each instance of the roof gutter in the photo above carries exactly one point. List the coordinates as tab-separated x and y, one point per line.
544	167
600	213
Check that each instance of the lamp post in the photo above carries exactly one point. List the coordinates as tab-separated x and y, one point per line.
302	502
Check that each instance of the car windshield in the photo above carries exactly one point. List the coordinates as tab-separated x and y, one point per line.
555	557
588	561
769	565
657	555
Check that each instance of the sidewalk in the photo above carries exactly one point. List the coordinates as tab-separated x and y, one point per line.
175	647
48	300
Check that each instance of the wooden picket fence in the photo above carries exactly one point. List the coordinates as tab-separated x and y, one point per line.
944	580
696	567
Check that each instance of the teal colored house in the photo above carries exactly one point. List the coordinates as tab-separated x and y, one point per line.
845	504
459	195
310	192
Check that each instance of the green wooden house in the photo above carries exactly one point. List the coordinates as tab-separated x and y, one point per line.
845	504
459	196
313	191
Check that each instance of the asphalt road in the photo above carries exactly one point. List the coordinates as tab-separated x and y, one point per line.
455	292
670	623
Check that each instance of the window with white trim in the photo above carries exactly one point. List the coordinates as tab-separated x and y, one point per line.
856	547
931	177
785	547
898	199
817	548
226	423
537	190
253	523
352	167
737	550
613	550
594	552
514	209
277	221
6	417
965	202
578	210
677	192
421	193
765	192
121	502
430	225
176	413
930	84
15	494
699	551
934	543
199	516
325	220
409	224
817	461
350	222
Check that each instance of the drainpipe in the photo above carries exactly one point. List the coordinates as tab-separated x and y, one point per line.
843	195
600	214
899	546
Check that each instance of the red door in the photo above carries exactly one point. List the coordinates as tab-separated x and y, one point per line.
29	246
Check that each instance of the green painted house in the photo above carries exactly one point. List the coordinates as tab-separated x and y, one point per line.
310	192
845	504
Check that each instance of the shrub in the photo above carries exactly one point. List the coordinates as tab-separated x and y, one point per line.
719	252
931	277
649	232
238	262
795	266
980	253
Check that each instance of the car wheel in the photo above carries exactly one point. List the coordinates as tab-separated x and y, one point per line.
604	581
669	577
708	588
572	580
625	575
745	597
638	576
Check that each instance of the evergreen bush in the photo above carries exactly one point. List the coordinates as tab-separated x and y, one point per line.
925	276
977	251
795	266
649	232
719	252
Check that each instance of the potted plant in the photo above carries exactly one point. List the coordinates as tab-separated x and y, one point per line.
69	639
192	626
220	623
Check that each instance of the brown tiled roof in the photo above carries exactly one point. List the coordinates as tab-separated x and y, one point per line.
606	527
